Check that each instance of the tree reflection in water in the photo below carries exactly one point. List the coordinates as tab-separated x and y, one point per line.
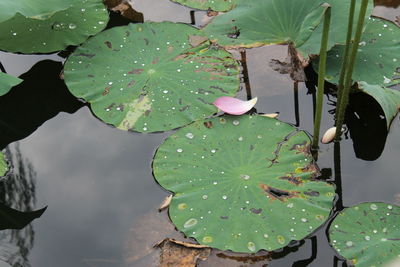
17	191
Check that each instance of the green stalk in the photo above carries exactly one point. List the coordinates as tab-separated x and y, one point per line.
344	99
321	76
346	53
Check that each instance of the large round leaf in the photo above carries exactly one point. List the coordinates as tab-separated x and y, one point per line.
258	22
338	26
151	77
3	165
216	5
7	82
378	54
37	9
242	183
72	26
368	234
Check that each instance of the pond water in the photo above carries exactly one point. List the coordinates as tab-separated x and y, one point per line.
97	181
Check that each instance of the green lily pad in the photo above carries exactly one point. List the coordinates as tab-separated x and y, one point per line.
3	165
151	77
338	28
378	55
367	234
258	22
242	183
7	82
216	5
387	98
72	26
37	9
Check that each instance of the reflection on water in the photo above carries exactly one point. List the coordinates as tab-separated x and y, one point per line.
18	191
40	97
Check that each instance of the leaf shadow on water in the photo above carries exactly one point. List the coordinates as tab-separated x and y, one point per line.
40	97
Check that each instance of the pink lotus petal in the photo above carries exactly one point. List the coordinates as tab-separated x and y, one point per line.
233	105
270	115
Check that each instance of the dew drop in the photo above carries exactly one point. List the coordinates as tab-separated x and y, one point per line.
281	239
189	135
266	236
213	151
245	176
304	220
207	239
373	207
224	197
251	246
190	223
367	237
204	197
72	26
240	138
179	150
349	243
390	207
235	122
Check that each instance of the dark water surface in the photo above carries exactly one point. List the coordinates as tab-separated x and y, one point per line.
97	181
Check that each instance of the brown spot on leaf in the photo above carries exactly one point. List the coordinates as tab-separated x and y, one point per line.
311	193
256	211
136	71
131	83
85	55
108	44
208	124
106	90
196	40
275	193
292	180
155	61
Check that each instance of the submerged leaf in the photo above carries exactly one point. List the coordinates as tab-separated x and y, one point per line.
388	99
148	77
216	5
242	183
71	26
7	82
233	105
367	234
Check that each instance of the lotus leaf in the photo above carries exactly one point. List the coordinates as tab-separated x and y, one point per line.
257	22
7	82
216	5
36	9
151	77
338	27
242	183
388	99
67	27
378	55
367	234
3	165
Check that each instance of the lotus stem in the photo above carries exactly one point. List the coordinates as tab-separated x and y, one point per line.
321	76
346	52
344	99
